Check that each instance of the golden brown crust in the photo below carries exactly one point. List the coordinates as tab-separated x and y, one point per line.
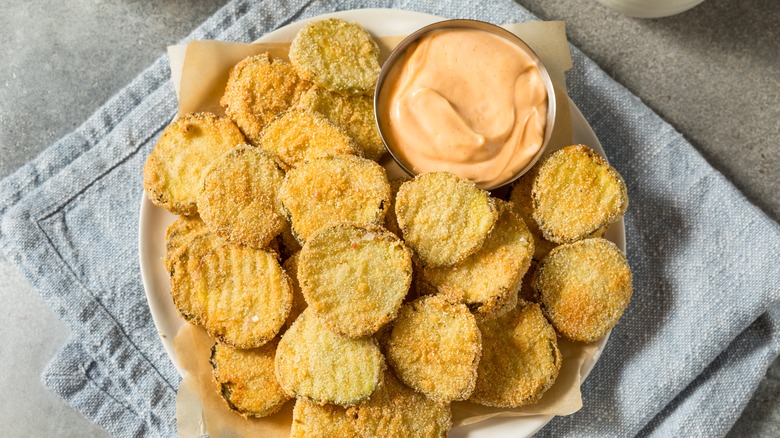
575	193
179	234
584	287
444	218
246	295
337	55
435	348
355	278
520	358
260	88
355	114
246	380
332	190
185	286
296	136
312	420
488	280
313	362
395	410
239	197
186	147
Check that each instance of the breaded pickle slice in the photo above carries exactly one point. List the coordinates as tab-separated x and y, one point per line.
355	278
391	222
523	206
488	280
186	147
584	288
246	379
314	362
299	303
435	348
312	420
444	218
239	197
260	88
246	296
297	136
575	193
355	114
185	285
395	410
179	234
520	358
331	190
336	55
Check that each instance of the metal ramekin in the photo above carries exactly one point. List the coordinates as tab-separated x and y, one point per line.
400	50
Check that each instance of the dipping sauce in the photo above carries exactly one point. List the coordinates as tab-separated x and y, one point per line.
465	101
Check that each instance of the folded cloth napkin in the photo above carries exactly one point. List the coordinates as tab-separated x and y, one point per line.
701	329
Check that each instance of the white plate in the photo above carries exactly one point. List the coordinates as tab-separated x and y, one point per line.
154	221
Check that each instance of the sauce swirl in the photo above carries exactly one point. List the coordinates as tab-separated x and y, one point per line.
465	101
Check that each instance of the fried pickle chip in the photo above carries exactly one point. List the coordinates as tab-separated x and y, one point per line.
260	88
336	55
520	358
186	147
584	287
297	136
395	410
575	193
488	280
311	420
246	295
239	197
435	348
314	362
331	190
299	302
522	204
179	234
391	222
185	285
444	218
355	278
246	379
355	114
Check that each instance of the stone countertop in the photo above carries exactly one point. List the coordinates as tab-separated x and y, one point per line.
712	72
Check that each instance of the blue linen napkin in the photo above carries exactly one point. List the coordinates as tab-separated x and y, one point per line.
701	329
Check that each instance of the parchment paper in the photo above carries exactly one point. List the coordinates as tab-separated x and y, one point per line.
200	71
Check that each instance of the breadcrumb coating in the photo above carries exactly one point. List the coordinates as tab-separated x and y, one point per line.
584	287
520	358
173	171
239	197
314	362
435	347
336	55
444	218
246	379
355	278
575	193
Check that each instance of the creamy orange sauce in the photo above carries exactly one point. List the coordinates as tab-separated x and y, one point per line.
464	101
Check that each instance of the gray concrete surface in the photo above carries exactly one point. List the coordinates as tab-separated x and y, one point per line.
712	72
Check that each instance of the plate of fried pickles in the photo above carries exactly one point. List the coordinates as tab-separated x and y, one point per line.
373	298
